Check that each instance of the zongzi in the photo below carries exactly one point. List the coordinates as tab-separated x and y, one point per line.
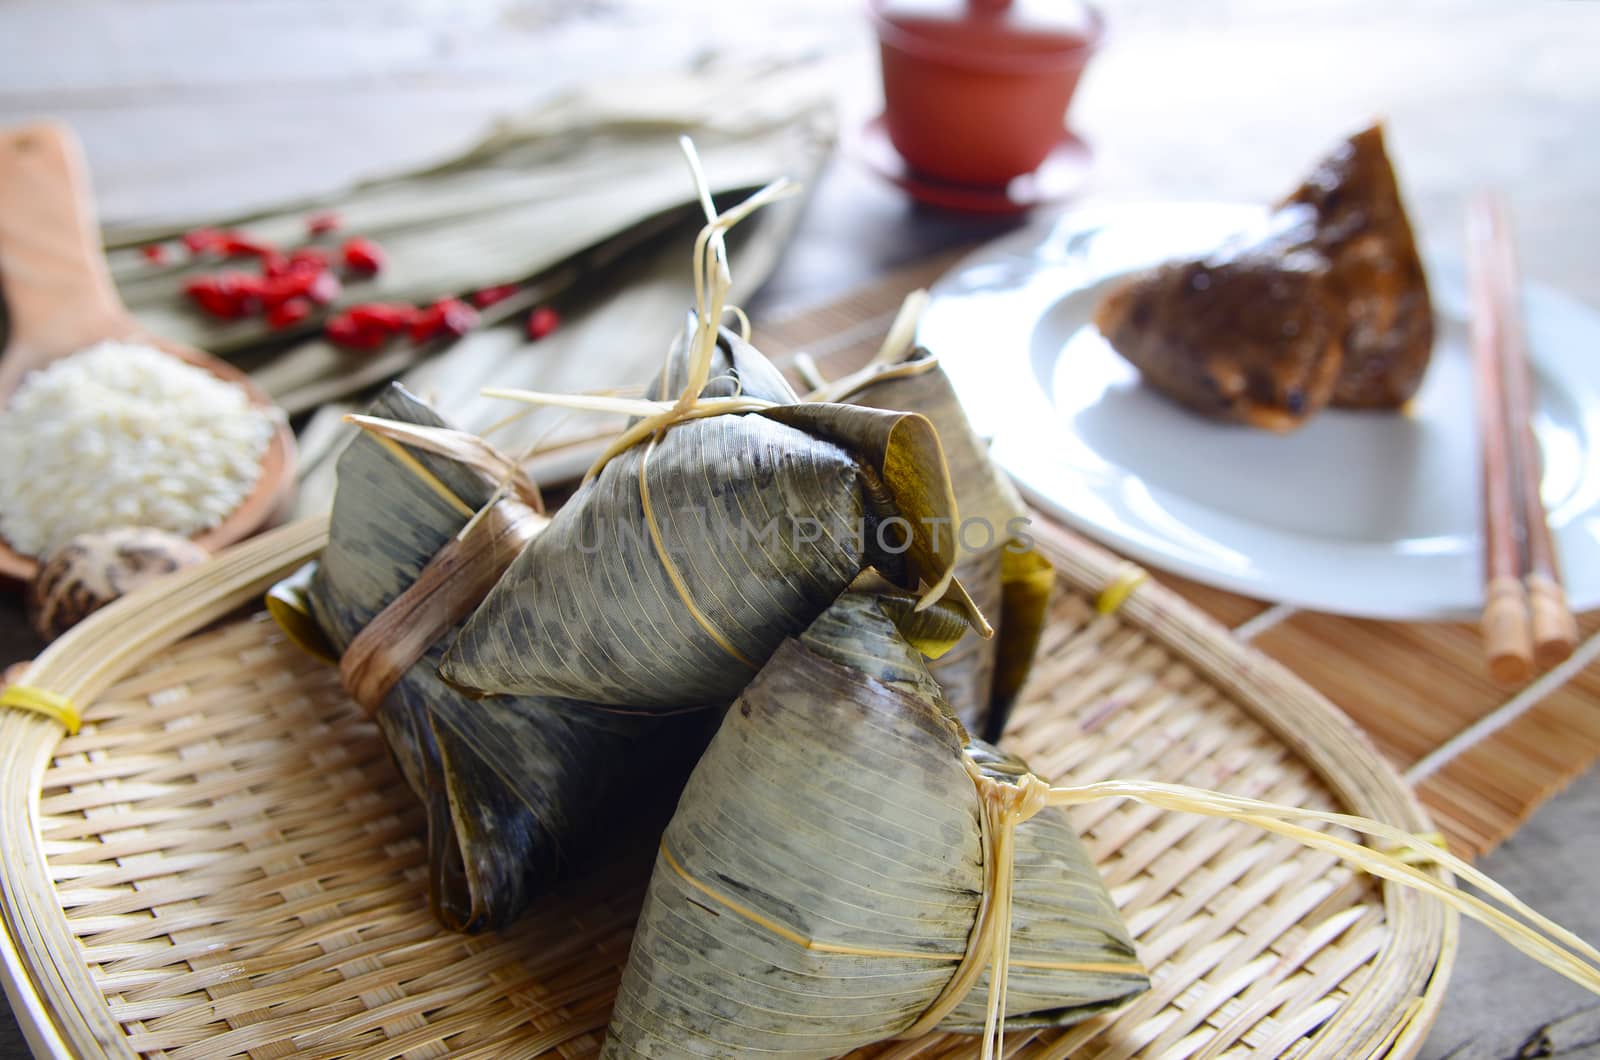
833	875
1326	304
1249	333
513	787
674	573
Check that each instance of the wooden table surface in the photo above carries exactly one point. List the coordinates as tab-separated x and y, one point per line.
188	106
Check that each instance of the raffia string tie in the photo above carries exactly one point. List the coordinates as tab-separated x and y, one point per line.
453	583
1414	857
890	362
42	701
1508	916
1003	807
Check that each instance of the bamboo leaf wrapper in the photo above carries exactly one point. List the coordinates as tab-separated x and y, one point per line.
755	524
1008	579
823	874
513	788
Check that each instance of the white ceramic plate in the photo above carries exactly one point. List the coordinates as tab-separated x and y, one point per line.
1360	513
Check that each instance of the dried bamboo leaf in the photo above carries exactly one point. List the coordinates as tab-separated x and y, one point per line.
530	196
1008	579
967	671
822	876
289	604
463	448
903	450
315	371
1026	581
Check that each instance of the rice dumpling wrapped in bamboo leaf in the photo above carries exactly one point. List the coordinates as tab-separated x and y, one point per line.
830	877
1006	576
513	787
671	575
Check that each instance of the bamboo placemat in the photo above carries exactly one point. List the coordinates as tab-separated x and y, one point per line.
1481	758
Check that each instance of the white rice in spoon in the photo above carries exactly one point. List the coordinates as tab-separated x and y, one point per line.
122	434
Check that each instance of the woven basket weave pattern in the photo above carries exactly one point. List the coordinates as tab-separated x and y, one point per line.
244	871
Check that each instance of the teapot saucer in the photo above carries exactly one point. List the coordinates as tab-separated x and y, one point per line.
1057	178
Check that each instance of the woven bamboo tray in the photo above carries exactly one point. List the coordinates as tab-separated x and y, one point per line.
224	861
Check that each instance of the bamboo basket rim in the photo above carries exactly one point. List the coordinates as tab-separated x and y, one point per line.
63	1012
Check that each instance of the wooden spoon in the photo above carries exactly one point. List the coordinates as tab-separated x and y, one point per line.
59	300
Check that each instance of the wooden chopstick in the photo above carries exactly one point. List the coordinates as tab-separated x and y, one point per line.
1525	615
1555	631
1506	622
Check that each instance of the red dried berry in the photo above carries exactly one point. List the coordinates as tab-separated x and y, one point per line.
274	265
234	245
224	295
391	318
247	290
218	304
458	317
490	295
320	224
447	316
542	321
320	287
154	253
280	289
344	331
241	283
205	293
427	324
310	258
362	256
289	313
202	240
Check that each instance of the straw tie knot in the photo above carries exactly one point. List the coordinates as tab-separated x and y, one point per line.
1015	801
1005	804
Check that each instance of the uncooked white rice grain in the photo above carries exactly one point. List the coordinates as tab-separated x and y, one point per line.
122	434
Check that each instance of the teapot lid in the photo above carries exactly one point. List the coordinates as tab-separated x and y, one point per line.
1001	27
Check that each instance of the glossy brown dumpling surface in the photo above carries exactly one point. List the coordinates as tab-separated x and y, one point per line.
1362	229
1326	304
1248	334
